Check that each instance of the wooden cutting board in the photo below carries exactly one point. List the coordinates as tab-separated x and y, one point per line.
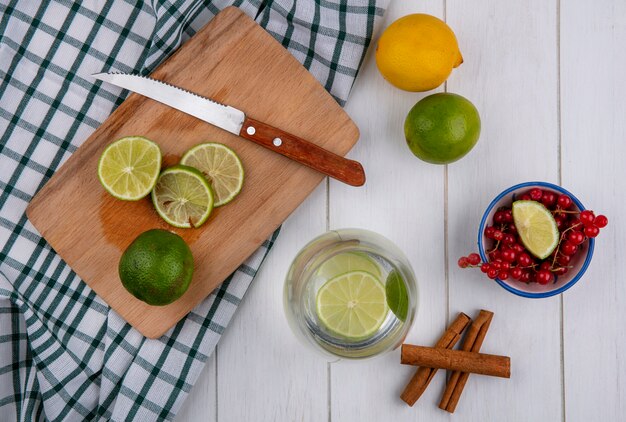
234	61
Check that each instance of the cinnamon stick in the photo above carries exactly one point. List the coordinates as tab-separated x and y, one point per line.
473	342
422	377
456	360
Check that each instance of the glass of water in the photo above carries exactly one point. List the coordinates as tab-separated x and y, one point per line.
351	293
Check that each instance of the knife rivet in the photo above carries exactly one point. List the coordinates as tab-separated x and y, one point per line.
277	142
251	130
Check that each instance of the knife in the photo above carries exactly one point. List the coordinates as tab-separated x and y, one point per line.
235	121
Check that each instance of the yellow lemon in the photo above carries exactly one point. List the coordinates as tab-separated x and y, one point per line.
417	52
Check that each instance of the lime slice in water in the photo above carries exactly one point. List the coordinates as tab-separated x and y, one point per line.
352	305
129	167
348	261
536	227
183	197
397	296
221	166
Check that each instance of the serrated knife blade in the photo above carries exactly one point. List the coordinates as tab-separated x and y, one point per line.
236	122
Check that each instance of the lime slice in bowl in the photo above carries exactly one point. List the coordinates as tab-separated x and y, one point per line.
129	167
352	305
536	227
348	261
183	197
221	166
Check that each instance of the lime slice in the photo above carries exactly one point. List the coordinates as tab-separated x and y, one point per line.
183	197
397	296
129	167
221	166
352	305
348	261
536	227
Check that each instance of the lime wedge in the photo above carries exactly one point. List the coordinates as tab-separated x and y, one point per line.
348	261
397	296
129	167
221	166
352	305
183	197
536	227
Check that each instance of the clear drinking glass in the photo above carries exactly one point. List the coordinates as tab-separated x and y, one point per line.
307	274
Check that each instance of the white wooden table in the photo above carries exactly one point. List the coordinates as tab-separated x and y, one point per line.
548	78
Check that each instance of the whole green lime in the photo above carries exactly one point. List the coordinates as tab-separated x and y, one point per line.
157	267
442	128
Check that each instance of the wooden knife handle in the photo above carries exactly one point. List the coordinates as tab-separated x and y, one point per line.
304	152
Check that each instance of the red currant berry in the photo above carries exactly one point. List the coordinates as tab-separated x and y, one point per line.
508	216
575	224
535	194
563	259
587	217
508	239
560	271
485	267
508	255
601	221
503	275
524	259
592	231
576	237
560	225
492	273
498	235
489	232
525	197
568	248
548	199
518	248
498	217
496	265
473	259
545	265
463	262
543	276
525	277
516	273
504	265
511	229
495	255
564	202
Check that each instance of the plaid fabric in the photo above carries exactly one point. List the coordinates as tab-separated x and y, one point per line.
64	355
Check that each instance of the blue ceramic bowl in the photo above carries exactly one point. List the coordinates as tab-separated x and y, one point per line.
579	263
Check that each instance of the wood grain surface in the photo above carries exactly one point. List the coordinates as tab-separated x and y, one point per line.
233	61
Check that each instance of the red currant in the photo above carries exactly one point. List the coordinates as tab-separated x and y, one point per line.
524	259
525	277
568	248
463	262
504	265
548	199
503	275
492	273
508	216
485	267
525	197
498	217
560	224
498	235
495	255
543	276
601	221
508	255
518	248
576	237
587	217
592	231
545	265
473	259
564	202
535	194
511	229
516	273
563	259
560	271
575	224
508	239
489	232
496	265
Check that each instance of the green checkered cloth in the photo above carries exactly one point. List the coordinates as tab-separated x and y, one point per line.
64	354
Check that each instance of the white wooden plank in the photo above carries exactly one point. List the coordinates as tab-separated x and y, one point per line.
201	404
510	74
593	89
264	373
402	200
